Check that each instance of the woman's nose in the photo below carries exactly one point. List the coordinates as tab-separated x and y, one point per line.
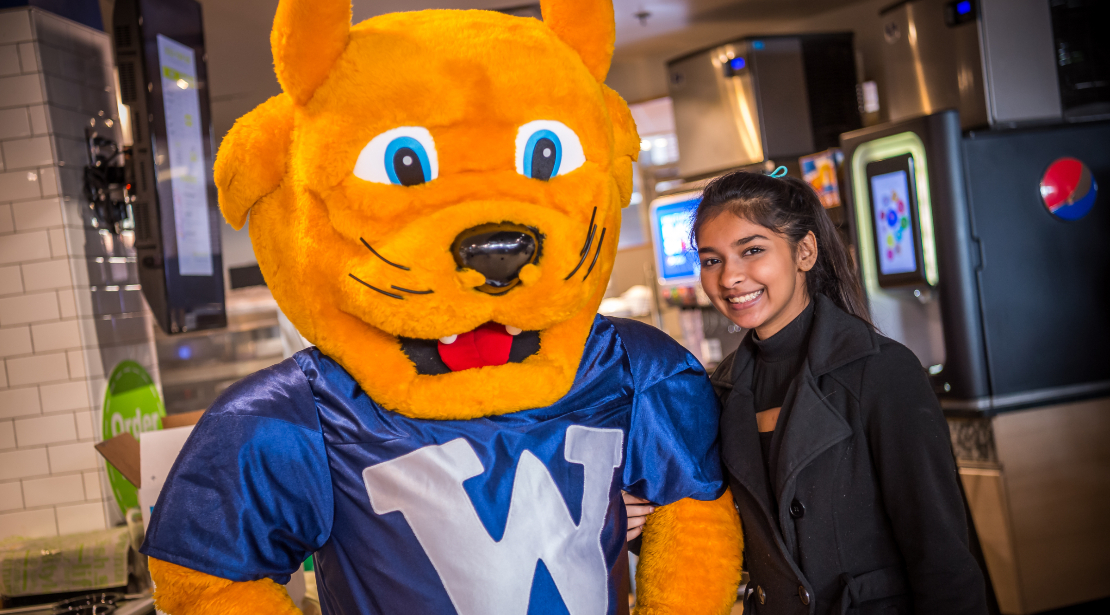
497	251
731	275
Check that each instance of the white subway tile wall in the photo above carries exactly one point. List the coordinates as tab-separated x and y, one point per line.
54	490
20	402
11	497
7	435
7	225
29	524
37	214
24	463
11	281
15	341
80	518
66	319
72	457
45	430
14	123
92	484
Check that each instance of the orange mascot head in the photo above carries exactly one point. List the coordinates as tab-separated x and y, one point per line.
435	198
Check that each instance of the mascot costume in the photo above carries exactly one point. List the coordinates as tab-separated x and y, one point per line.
434	201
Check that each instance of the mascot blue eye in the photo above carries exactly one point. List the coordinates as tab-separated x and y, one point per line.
546	149
542	155
403	156
406	162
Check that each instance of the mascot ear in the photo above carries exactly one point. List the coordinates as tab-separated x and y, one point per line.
308	36
251	161
587	26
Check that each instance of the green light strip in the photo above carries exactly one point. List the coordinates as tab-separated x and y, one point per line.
881	149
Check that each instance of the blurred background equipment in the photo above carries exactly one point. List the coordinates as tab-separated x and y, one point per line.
999	62
163	73
762	98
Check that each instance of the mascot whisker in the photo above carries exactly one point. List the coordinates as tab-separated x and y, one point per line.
434	201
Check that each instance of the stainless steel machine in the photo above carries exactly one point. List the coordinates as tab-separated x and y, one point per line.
762	98
999	62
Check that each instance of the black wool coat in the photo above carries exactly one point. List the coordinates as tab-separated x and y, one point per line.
862	514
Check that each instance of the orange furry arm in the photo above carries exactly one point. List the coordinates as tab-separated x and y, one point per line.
690	559
181	591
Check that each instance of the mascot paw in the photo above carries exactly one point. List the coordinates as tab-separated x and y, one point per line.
181	591
690	559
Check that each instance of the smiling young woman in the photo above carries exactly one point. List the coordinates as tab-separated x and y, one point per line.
837	453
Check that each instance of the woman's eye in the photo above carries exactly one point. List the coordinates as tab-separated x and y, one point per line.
752	251
403	156
709	262
546	149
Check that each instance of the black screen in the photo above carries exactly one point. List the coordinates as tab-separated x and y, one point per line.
896	233
163	78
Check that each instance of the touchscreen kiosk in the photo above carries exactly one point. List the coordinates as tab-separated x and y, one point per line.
672	219
894	222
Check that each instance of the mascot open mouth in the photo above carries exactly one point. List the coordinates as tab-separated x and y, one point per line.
491	344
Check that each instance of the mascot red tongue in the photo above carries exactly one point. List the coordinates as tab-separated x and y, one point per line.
487	345
434	201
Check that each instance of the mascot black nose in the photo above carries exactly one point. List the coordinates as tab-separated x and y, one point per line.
497	251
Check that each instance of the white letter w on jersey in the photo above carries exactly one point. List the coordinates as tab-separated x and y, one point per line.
487	577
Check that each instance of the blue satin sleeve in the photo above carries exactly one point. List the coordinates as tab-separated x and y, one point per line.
672	439
672	442
250	495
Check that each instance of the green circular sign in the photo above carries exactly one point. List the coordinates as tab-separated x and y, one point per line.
132	404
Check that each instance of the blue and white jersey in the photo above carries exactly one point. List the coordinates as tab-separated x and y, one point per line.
516	514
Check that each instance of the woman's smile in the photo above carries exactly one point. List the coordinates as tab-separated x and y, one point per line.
745	301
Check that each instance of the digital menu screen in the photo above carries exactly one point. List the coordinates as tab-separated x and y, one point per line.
894	229
672	221
185	141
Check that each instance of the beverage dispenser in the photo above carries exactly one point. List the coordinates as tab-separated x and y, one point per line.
987	253
966	257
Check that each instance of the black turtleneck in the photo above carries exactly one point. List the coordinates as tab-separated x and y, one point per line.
777	360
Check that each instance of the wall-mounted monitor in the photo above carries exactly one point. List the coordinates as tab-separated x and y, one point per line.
672	217
163	78
896	229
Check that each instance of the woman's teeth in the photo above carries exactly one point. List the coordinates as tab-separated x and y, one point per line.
745	298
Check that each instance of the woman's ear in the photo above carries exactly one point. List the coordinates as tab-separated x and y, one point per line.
806	252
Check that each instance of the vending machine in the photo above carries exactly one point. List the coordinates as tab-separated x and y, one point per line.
987	253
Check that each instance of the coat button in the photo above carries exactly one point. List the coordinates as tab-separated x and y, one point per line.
803	594
762	595
796	509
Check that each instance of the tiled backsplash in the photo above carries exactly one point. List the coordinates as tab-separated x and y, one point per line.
70	301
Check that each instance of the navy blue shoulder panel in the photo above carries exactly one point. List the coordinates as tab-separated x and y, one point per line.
280	392
652	354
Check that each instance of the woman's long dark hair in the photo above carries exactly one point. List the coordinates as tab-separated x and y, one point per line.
789	207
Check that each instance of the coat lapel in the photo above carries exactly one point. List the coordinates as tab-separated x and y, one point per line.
808	423
740	449
809	426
